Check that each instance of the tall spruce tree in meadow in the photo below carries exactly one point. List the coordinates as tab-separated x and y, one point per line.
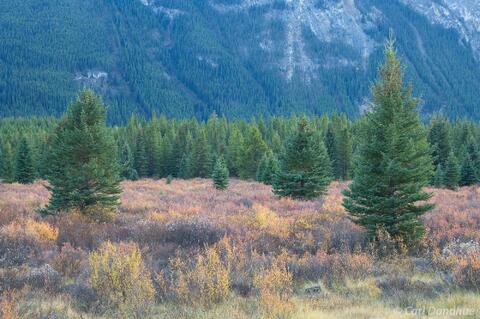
267	169
220	174
304	170
451	175
83	173
24	169
7	164
468	176
393	161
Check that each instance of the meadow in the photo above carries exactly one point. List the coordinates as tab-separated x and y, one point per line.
187	250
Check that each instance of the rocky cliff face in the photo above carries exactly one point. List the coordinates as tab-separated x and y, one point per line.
461	15
346	21
329	21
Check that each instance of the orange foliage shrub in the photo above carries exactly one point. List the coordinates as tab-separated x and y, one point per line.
121	280
24	240
205	280
274	286
70	261
9	305
467	272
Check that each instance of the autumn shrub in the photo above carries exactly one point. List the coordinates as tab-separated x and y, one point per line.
24	241
99	213
467	272
204	279
9	305
332	268
460	248
70	261
79	231
268	232
274	286
405	287
194	232
268	221
149	232
44	278
121	280
83	296
8	278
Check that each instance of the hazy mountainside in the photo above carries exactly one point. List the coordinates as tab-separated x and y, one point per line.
236	57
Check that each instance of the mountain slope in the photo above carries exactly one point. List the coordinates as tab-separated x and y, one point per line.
235	57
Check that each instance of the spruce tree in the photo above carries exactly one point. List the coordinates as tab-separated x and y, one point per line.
7	169
451	176
185	170
220	174
344	155
83	173
474	153
438	177
267	169
468	176
167	157
234	151
439	139
331	145
24	170
304	171
127	168
393	162
140	157
153	148
253	150
202	155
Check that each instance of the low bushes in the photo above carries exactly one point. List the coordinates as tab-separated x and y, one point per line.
200	279
121	280
467	272
274	286
193	231
25	240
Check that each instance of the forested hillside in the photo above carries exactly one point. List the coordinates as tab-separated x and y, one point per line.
237	58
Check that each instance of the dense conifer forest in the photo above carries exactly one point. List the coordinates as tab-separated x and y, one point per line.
187	148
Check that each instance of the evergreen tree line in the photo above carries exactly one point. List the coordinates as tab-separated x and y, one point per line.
161	147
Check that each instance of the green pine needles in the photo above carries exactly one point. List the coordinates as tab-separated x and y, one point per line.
468	175
24	169
451	176
84	174
393	161
220	174
267	169
304	171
